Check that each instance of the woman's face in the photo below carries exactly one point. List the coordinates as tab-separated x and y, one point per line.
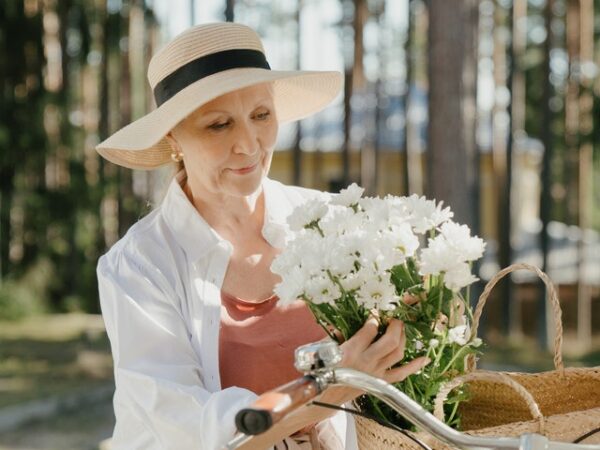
227	143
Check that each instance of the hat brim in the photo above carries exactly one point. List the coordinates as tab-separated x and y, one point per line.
297	94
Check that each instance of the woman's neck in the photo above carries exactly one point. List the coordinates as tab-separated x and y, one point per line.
227	213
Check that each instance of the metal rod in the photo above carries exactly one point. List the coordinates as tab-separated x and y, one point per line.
237	441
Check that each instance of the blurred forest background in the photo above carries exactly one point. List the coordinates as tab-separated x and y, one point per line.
491	106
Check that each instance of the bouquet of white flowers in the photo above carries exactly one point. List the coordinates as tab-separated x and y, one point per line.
352	257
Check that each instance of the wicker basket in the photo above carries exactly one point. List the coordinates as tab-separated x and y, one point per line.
563	404
559	391
561	427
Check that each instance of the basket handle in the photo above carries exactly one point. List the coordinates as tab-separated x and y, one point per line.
497	377
557	312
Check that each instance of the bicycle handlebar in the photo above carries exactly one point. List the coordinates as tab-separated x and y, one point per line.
272	406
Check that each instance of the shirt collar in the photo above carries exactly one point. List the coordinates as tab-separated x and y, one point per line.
192	233
277	208
196	237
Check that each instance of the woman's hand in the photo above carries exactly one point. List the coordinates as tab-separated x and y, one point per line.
360	353
377	358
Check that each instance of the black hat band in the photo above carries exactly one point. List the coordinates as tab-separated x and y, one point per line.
205	66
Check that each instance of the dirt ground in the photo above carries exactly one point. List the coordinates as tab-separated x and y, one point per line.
79	430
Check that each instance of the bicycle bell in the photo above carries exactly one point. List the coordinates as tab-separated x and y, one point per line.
318	355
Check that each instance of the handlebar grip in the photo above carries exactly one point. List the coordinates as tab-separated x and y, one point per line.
272	406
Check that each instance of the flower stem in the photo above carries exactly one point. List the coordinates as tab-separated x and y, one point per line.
454	358
376	407
410	387
452	413
441	294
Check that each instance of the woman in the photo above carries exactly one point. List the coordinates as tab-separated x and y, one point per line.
186	295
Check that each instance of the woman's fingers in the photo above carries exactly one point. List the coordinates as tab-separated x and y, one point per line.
392	358
400	373
361	353
363	337
390	341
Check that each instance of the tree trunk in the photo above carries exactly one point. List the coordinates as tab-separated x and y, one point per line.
296	150
503	150
452	156
501	147
419	80
406	95
369	154
125	189
354	81
6	195
545	200
572	110
6	165
229	10
586	164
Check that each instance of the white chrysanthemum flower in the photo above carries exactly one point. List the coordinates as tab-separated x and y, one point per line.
350	282
404	238
383	253
321	289
361	246
350	244
354	280
458	236
291	286
423	214
307	237
437	257
387	256
377	293
310	253
449	252
340	220
398	213
334	257
307	213
458	335
284	262
377	211
459	276
349	196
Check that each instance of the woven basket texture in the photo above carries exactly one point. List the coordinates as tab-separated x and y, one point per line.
493	404
562	427
562	404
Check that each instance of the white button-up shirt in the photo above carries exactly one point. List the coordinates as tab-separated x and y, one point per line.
160	298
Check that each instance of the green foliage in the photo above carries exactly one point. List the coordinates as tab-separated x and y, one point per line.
47	178
27	295
430	311
347	316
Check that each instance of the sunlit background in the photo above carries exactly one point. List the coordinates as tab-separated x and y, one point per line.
491	106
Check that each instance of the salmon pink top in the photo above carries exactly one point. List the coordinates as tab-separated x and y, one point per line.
257	341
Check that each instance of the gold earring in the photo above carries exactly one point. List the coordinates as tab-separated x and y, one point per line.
176	156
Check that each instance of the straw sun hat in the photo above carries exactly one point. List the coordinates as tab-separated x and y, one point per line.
199	65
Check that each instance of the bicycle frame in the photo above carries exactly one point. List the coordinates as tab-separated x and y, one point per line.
318	362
